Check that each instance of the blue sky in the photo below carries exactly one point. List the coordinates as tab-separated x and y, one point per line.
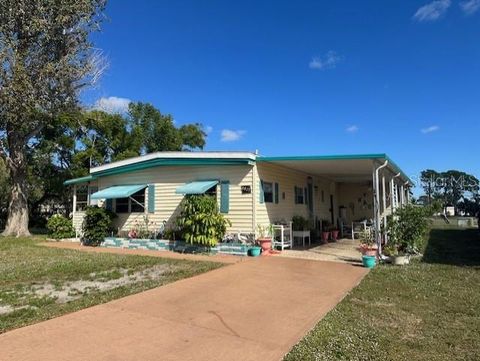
305	77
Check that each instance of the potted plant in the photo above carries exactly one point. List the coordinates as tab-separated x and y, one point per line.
325	231
334	233
265	237
301	227
367	245
369	261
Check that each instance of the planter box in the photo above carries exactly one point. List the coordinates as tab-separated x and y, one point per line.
238	249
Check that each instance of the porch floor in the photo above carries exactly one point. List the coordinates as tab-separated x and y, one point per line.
343	250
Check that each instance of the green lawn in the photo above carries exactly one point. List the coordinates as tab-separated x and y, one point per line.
429	310
38	283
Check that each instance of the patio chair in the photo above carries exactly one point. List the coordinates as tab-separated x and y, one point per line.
282	236
360	227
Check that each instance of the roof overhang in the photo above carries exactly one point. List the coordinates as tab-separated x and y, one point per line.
85	179
175	159
339	168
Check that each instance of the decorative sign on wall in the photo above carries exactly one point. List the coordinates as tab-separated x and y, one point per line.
246	189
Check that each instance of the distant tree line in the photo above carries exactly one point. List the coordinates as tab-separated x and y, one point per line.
451	188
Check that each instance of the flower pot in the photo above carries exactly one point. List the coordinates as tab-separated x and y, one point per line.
265	243
400	260
334	235
370	252
254	251
325	236
369	261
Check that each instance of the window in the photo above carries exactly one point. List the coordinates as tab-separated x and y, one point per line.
267	192
82	198
323	196
137	204
121	205
133	204
299	196
212	192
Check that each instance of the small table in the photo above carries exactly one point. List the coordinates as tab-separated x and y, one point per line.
303	235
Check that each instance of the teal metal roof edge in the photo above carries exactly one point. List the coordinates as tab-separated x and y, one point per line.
324	157
398	169
160	162
87	178
172	162
372	156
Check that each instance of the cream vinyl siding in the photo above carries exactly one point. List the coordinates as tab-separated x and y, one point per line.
287	179
167	202
286	208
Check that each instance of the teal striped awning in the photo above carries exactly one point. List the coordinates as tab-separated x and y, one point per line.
198	187
118	191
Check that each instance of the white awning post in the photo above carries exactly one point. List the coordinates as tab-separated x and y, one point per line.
384	208
376	206
402	195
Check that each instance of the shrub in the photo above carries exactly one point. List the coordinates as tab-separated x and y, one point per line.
97	224
60	227
200	221
408	228
300	223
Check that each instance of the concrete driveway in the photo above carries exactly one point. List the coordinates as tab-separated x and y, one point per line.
253	310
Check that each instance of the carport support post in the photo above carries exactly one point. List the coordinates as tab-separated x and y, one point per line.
376	206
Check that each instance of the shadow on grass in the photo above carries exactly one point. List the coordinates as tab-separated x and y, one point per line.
459	247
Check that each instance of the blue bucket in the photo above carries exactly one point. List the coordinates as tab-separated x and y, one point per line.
369	261
254	251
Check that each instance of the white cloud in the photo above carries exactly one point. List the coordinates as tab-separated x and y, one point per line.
430	129
470	7
432	11
352	129
229	135
329	61
112	104
208	129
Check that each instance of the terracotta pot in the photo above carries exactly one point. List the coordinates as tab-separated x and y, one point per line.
368	251
335	235
325	236
265	243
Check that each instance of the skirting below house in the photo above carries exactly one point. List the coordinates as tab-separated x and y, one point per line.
238	249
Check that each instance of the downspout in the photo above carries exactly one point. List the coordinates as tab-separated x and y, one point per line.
378	237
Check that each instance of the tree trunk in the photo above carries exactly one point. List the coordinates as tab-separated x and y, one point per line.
17	221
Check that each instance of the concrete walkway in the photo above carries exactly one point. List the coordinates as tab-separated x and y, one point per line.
252	310
344	250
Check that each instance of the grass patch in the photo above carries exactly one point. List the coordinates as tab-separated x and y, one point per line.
429	310
26	267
